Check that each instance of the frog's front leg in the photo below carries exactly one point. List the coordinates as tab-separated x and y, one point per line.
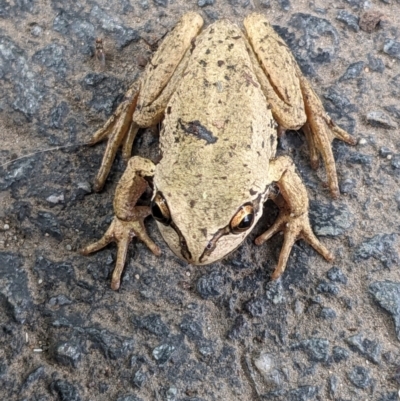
128	221
293	216
145	101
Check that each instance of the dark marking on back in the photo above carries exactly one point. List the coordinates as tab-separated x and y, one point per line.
169	110
203	63
192	203
272	140
236	37
252	192
208	51
220	63
197	129
249	79
230	46
192	45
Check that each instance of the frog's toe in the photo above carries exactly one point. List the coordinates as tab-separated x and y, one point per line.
122	232
120	131
293	228
320	131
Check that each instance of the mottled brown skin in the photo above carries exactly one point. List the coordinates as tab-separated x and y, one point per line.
222	95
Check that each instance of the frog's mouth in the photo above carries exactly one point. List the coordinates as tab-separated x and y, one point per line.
238	228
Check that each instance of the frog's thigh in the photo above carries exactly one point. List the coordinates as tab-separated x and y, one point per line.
293	218
165	70
275	68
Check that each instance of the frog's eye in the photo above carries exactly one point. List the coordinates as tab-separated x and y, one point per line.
160	210
243	219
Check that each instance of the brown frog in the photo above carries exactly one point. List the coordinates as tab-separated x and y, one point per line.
222	95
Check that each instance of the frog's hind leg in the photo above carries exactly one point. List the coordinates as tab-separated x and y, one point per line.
121	130
293	218
293	102
320	131
128	221
274	67
147	98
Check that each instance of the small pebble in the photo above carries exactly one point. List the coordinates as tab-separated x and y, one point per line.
6	227
68	247
137	277
36	30
362	141
385	152
264	363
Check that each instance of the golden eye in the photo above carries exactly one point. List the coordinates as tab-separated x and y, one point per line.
160	210
243	219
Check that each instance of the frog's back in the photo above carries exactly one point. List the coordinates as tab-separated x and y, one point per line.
218	134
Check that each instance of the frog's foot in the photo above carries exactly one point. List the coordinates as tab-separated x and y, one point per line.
293	218
293	228
120	130
122	232
129	218
320	131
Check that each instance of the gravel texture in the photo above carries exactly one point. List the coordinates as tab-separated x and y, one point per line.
175	332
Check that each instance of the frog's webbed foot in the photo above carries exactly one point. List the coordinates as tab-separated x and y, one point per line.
129	218
320	131
122	232
293	218
120	130
293	228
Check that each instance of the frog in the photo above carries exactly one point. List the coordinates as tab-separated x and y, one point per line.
222	95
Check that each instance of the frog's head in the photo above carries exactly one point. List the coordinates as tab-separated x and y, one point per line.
202	238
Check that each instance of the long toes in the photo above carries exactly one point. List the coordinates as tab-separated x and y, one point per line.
274	229
309	237
341	134
119	266
107	238
108	159
288	242
128	141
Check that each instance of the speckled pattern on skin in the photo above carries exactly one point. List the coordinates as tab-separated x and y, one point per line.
221	91
176	332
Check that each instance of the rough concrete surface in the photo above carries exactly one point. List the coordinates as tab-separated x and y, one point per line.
173	331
